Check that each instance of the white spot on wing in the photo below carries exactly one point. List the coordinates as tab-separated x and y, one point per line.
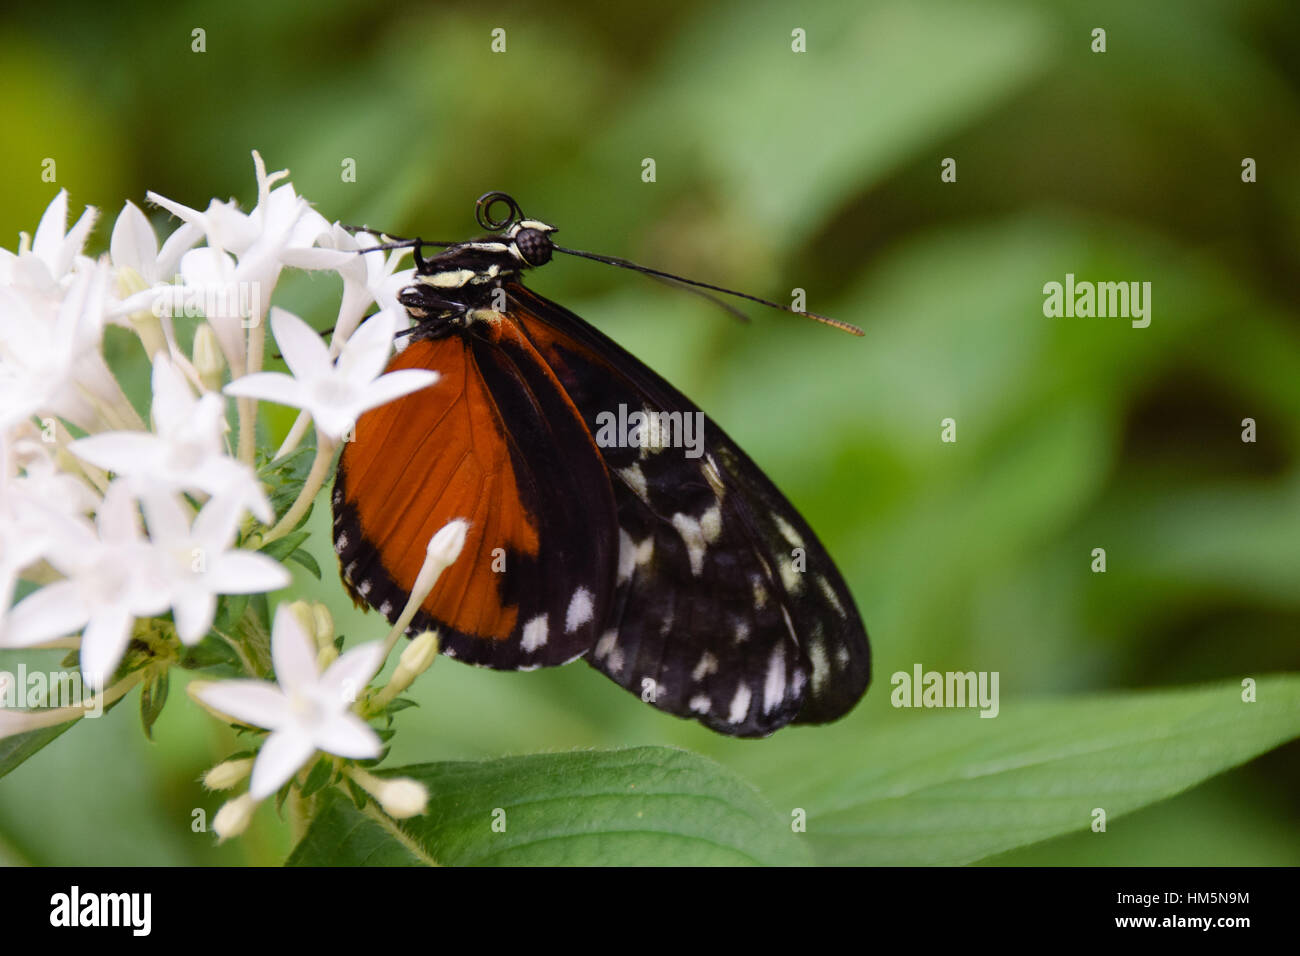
535	632
607	646
821	667
579	612
787	531
708	665
700	704
694	538
831	595
739	704
631	555
791	577
635	479
711	524
774	686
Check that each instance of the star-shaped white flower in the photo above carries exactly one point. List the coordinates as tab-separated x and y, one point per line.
199	563
335	393
185	454
307	711
143	270
368	277
45	264
113	577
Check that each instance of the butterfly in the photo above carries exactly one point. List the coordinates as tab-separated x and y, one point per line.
658	552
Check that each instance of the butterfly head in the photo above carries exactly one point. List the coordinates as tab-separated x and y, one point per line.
530	240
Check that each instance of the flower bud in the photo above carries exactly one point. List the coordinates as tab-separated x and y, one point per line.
306	619
326	656
399	797
227	774
324	624
444	548
208	360
417	657
402	797
415	660
234	816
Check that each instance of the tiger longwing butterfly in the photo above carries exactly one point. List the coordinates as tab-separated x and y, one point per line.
689	581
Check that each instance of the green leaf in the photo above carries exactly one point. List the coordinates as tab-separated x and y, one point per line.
643	806
320	775
14	750
153	697
281	548
307	561
213	652
360	840
949	788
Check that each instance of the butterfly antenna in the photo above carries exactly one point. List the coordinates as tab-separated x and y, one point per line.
720	303
646	270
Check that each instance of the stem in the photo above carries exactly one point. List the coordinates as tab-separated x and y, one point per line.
256	353
398	834
27	720
296	433
247	429
315	479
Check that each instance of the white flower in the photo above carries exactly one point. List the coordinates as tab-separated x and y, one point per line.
186	453
26	501
198	565
367	277
49	353
308	711
53	252
280	231
144	273
336	394
113	577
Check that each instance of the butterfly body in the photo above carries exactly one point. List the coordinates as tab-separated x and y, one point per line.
681	573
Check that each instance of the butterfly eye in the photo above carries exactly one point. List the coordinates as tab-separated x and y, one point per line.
534	245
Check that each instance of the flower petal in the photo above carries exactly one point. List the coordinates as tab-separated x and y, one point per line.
194	612
121	452
257	703
367	349
103	642
304	352
347	735
394	385
242	572
133	244
173	401
56	610
349	675
293	652
270	387
278	760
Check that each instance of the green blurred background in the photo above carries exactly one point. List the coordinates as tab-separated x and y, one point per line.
778	170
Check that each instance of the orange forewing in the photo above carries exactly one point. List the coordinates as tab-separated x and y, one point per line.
427	459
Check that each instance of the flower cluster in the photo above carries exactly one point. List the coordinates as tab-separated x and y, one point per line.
124	538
